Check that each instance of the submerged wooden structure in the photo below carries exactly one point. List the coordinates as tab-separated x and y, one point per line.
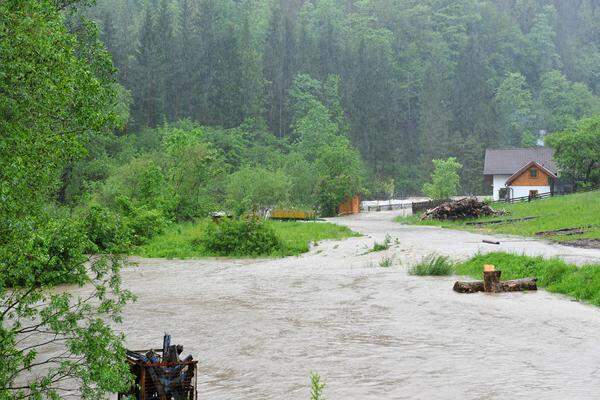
161	375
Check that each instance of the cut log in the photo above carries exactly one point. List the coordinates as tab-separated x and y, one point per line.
502	286
518	285
491	279
468	287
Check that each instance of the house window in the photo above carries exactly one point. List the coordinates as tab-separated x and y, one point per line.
533	172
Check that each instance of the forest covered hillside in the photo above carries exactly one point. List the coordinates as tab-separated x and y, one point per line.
417	80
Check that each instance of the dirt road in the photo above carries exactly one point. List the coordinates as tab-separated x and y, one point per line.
260	326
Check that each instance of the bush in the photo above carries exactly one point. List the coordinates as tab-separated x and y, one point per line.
239	237
106	230
144	223
256	188
432	265
49	254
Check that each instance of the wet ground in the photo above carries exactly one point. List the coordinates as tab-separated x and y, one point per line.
259	327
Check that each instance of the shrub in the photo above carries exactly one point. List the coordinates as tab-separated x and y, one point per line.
105	229
256	188
54	254
432	265
241	237
144	224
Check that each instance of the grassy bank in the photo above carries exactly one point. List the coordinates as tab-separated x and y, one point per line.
554	275
572	211
185	240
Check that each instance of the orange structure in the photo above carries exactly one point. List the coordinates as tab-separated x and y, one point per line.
531	174
293	214
350	206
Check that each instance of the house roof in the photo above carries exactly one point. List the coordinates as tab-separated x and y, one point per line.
525	168
509	161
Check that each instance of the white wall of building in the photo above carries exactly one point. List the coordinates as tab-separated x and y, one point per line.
521	191
498	183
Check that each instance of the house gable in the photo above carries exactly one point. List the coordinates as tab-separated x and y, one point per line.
531	174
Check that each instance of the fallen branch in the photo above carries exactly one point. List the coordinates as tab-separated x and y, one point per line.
490	241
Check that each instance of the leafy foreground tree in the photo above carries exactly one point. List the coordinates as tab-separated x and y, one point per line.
577	151
55	89
445	180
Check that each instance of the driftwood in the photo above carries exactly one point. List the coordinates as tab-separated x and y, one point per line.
490	241
502	286
492	284
161	374
468	207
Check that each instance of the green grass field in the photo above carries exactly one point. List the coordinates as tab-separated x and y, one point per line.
182	240
571	211
581	283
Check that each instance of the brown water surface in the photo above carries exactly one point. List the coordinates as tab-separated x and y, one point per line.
259	327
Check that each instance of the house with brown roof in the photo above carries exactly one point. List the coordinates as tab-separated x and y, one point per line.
519	172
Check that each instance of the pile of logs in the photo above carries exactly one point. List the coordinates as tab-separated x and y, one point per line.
161	374
492	284
468	207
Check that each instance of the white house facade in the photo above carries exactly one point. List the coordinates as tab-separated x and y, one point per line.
519	172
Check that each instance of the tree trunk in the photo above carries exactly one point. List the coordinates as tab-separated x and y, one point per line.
491	279
505	286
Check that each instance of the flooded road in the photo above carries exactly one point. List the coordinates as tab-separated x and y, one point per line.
259	327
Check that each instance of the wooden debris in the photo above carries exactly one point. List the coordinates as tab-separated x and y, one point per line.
492	284
500	221
468	207
490	241
162	376
566	231
491	279
502	286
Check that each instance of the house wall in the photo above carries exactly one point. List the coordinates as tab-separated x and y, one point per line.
522	191
498	182
525	179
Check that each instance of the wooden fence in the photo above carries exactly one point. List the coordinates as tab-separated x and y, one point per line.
540	196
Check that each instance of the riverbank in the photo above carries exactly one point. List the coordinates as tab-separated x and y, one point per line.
185	240
554	275
571	219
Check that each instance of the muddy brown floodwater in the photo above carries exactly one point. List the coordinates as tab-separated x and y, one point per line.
258	327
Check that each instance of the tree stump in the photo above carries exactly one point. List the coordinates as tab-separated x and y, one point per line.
491	283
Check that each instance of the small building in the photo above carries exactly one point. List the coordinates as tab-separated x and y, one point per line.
519	172
350	206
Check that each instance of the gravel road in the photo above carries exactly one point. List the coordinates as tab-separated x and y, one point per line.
259	327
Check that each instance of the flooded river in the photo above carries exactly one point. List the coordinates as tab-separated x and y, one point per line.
259	327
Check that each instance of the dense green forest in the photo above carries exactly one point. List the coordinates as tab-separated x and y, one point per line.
417	80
